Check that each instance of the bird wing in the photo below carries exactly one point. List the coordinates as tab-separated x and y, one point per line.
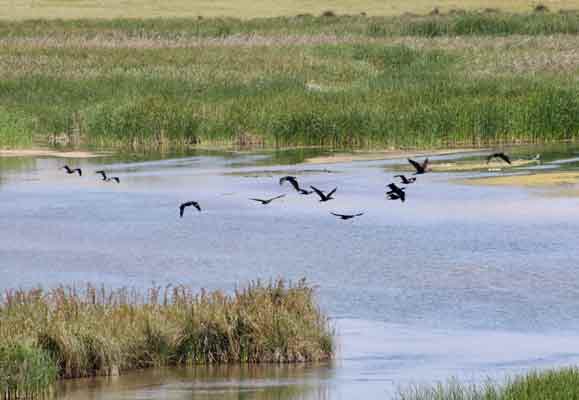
259	200
318	192
116	179
104	175
505	158
277	197
490	157
181	210
197	206
358	215
294	183
417	166
332	192
79	171
425	164
337	215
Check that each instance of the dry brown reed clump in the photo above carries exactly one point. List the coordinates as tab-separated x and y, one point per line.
95	331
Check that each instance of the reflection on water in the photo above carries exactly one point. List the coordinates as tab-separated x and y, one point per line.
458	281
295	382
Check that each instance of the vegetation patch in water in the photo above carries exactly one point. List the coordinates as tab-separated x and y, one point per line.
74	333
558	384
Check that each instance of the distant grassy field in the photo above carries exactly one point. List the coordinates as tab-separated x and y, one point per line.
460	79
26	9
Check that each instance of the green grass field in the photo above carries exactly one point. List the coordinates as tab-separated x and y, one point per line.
462	79
26	9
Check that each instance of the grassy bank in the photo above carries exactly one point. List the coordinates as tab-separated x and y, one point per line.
68	333
462	79
560	384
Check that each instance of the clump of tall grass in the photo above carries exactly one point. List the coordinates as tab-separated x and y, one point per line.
555	384
75	333
558	384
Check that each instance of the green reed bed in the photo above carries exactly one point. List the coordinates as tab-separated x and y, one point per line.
557	384
325	81
71	333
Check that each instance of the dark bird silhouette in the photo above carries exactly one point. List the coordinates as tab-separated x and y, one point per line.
323	196
294	182
267	201
72	171
405	180
103	174
501	155
347	216
187	204
108	179
291	179
420	168
396	192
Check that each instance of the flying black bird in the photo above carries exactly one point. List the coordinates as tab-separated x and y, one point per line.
294	182
103	173
72	171
396	192
267	201
420	168
323	196
291	179
187	204
501	155
347	216
108	179
405	180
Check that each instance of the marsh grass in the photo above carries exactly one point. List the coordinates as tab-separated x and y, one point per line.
72	333
336	81
25	371
558	384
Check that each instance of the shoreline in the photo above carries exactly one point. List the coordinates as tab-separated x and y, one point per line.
41	152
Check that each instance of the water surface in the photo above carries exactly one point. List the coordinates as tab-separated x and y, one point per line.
460	280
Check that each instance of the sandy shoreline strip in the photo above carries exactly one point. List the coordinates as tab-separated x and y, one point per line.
383	155
560	180
49	153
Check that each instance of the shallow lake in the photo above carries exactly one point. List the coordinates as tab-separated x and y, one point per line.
459	281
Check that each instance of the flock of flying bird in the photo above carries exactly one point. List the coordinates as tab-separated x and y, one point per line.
395	192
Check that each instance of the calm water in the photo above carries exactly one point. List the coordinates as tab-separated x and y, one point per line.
463	281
